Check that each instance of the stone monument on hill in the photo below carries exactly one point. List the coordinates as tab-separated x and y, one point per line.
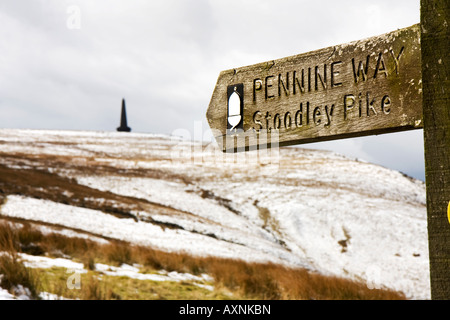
123	119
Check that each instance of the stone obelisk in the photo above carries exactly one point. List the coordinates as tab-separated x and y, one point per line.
123	119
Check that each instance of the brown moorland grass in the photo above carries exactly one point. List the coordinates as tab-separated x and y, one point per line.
13	272
244	280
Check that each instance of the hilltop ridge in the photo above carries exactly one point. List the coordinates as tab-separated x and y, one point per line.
297	207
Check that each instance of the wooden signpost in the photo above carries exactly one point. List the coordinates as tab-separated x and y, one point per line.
370	86
393	82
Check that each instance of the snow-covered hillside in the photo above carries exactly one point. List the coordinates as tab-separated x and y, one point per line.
299	207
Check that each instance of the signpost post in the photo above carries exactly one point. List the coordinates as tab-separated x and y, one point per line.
435	42
394	82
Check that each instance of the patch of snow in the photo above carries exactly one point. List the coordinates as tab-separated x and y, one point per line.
124	270
133	272
31	261
70	233
5	295
51	296
147	234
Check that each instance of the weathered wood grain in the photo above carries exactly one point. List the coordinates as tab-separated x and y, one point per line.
435	19
370	86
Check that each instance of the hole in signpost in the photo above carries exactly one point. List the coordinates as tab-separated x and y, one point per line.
235	95
234	110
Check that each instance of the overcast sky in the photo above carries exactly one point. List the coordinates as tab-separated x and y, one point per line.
68	64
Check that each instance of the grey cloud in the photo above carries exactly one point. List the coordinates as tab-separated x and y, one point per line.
164	57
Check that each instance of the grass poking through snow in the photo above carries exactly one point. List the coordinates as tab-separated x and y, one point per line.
232	279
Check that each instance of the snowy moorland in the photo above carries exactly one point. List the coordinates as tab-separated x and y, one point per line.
306	208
